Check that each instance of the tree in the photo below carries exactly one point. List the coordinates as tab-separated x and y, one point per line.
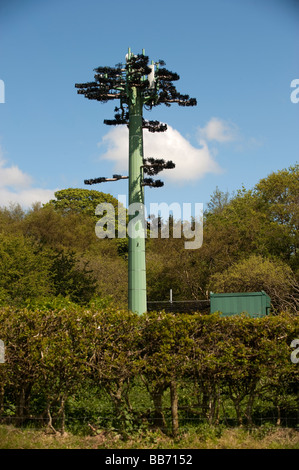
84	201
63	233
11	218
69	280
58	230
162	270
110	271
240	228
218	201
279	196
24	269
256	273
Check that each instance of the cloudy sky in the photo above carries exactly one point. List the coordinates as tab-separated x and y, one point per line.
236	57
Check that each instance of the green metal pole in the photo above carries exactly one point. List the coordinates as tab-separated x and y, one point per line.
134	90
136	270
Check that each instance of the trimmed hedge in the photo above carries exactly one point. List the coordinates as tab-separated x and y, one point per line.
210	367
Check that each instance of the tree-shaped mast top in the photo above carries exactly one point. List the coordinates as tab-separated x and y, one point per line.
153	80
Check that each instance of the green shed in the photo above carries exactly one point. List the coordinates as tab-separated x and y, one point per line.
256	304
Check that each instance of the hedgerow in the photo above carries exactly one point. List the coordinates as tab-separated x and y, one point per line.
159	369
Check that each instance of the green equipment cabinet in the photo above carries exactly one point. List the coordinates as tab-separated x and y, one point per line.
255	304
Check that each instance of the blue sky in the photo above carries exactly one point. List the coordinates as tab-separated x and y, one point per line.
236	57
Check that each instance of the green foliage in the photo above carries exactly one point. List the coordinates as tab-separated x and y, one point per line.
278	194
224	368
50	252
75	343
80	201
247	236
218	201
23	269
70	281
58	230
29	271
262	222
256	273
85	202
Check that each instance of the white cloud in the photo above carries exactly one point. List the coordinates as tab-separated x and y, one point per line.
16	187
218	130
25	197
117	144
191	162
12	176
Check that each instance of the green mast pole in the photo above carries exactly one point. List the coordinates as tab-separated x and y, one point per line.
136	269
136	84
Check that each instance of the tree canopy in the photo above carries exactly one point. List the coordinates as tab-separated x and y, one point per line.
81	201
250	241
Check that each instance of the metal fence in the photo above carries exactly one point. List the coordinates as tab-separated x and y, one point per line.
186	420
180	306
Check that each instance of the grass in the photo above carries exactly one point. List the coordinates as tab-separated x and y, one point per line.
199	438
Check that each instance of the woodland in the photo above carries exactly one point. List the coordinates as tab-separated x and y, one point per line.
75	357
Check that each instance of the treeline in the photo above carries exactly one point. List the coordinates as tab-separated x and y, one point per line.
250	243
155	370
50	253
